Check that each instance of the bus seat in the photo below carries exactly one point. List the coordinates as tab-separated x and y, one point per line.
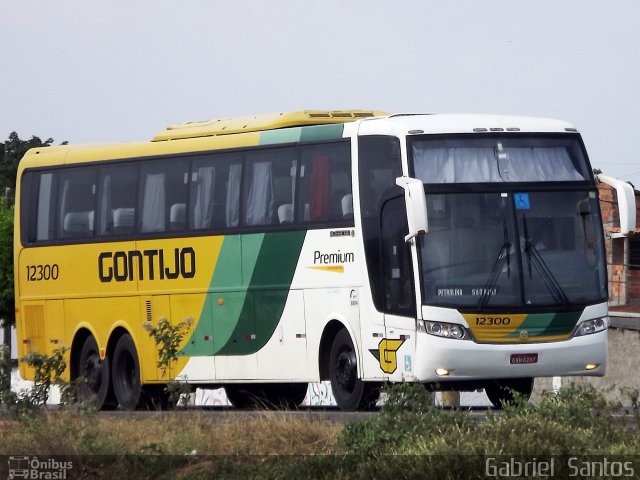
123	220
177	216
347	207
285	213
78	224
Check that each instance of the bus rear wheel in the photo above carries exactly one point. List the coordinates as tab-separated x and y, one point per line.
126	374
350	392
504	392
94	373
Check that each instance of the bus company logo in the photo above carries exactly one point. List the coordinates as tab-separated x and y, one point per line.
35	468
387	354
332	262
146	265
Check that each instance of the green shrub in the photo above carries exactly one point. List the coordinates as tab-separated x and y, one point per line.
168	338
412	436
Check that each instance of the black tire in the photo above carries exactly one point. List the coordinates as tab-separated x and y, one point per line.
501	392
94	386
350	392
125	374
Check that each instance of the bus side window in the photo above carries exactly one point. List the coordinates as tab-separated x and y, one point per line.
44	213
269	184
396	259
379	165
325	184
117	186
76	203
215	192
164	186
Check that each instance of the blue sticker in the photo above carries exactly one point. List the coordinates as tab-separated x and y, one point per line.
407	363
522	201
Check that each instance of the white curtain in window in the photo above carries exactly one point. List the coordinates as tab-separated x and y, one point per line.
64	208
106	211
153	203
455	165
203	207
473	165
538	164
44	206
260	202
232	210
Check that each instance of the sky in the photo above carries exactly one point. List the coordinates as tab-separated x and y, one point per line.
89	71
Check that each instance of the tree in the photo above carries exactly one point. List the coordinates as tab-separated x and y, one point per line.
10	156
7	307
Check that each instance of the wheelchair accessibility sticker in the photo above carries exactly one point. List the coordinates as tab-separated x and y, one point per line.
522	201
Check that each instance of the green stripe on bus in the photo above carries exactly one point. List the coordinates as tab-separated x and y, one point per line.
285	135
322	132
223	306
562	323
247	296
268	291
547	324
302	134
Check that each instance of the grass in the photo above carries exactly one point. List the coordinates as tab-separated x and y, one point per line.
169	433
408	439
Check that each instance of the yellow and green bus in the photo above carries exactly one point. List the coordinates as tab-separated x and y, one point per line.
458	251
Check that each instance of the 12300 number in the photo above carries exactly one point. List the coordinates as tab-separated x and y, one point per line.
39	273
493	320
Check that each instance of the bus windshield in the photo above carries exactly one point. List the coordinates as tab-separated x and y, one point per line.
487	250
510	246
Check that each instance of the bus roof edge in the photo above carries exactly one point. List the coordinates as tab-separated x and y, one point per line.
256	123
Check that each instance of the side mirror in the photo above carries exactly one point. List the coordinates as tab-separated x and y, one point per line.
626	204
416	202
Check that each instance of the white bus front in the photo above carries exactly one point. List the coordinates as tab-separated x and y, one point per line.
509	281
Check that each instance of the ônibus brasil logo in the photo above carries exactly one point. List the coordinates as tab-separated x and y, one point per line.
35	468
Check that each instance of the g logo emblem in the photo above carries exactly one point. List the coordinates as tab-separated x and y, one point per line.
386	354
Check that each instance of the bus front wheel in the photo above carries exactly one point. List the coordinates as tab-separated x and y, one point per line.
504	392
126	374
94	374
350	392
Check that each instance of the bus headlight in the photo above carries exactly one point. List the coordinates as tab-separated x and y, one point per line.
446	330
592	326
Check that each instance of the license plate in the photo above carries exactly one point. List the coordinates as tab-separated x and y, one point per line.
523	358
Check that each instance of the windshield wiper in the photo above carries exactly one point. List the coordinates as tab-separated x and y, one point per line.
504	255
543	269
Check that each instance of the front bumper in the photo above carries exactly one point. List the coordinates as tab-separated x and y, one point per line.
467	360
